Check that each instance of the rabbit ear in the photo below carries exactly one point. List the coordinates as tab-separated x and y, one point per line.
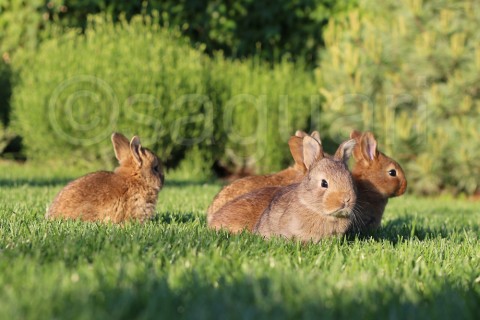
316	135
136	150
312	151
369	146
296	149
345	150
120	146
355	134
300	133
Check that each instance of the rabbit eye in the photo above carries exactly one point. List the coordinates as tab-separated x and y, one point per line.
393	172
324	183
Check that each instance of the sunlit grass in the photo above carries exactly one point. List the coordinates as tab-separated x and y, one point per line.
423	264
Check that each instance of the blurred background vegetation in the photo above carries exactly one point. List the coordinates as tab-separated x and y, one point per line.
218	86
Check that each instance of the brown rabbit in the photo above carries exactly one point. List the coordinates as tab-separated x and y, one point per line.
374	178
128	193
377	178
243	212
285	177
320	205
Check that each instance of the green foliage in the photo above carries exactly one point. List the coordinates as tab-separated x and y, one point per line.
261	108
79	87
21	22
410	71
91	86
423	264
239	28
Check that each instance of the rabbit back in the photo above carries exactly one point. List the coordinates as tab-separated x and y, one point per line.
248	184
89	198
102	196
242	213
285	177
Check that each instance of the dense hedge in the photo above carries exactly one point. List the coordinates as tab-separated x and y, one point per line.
407	70
411	72
21	23
79	87
240	28
270	30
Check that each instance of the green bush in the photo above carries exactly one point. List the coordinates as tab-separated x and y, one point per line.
410	71
78	88
287	28
261	108
21	23
138	78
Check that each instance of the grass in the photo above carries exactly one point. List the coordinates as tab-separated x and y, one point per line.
423	264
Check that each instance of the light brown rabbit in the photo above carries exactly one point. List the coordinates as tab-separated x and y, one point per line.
243	212
377	178
128	193
285	177
320	205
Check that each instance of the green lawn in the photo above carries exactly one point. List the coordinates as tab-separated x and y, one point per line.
423	264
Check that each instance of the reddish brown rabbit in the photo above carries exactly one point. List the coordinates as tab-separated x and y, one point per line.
377	178
321	205
285	177
128	193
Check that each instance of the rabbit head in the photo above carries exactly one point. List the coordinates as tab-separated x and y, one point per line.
374	168
328	186
137	162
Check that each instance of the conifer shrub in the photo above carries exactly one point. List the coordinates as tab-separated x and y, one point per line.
409	71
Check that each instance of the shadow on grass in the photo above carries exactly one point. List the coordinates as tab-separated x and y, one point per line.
10	183
193	297
406	228
171	217
46	182
187	183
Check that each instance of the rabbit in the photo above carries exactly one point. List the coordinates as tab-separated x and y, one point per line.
243	212
285	177
377	178
130	192
320	205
